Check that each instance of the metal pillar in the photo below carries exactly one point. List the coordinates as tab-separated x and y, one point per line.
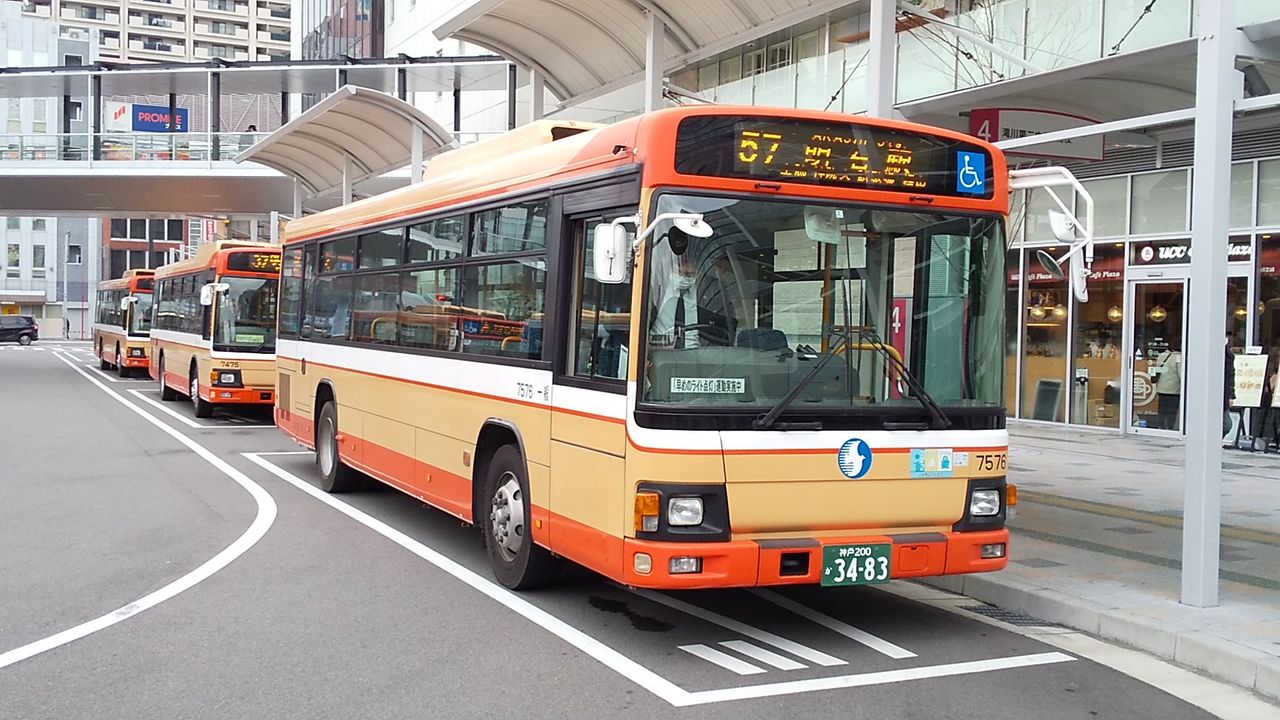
511	96
654	62
297	199
347	172
215	115
340	77
537	92
284	109
415	156
1218	86
95	117
173	112
66	128
882	71
402	83
457	104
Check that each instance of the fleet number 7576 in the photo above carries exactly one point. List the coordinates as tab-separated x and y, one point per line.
992	461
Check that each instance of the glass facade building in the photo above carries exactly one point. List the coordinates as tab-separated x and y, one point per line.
333	28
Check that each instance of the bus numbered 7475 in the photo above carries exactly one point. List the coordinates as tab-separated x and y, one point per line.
213	337
121	332
703	347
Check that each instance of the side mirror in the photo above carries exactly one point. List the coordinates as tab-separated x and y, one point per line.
1063	227
208	289
1050	264
611	253
126	301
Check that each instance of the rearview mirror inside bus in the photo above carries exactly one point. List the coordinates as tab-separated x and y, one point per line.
611	253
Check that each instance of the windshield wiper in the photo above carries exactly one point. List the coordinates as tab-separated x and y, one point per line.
938	419
767	420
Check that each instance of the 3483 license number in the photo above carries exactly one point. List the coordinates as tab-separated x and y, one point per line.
860	570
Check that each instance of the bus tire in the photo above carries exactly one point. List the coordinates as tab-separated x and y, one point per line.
203	408
518	563
166	392
102	361
335	475
120	368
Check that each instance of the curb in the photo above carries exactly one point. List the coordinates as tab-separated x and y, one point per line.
1219	658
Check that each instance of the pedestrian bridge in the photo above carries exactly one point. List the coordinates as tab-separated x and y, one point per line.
99	171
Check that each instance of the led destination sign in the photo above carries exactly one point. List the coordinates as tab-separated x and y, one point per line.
258	262
834	154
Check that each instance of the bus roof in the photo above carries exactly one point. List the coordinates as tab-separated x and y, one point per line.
130	281
209	254
547	153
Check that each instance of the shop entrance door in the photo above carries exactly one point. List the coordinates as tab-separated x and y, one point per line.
1155	334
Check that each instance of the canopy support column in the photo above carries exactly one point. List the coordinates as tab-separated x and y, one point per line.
215	115
1217	89
297	198
415	156
348	174
95	117
511	96
654	62
537	91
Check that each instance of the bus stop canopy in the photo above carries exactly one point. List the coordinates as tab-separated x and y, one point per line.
353	135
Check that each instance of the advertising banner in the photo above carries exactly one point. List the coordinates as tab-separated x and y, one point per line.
133	117
1251	373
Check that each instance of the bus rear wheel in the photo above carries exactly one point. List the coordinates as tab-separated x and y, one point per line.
166	392
203	408
517	562
335	475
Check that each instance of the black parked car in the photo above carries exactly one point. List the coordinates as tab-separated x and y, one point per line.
21	329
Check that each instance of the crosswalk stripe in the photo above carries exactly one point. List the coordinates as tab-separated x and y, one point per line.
724	660
764	656
764	636
861	636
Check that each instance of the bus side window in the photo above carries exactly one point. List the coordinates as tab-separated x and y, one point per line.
602	317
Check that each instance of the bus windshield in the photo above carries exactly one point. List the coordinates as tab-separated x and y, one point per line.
246	315
140	315
828	298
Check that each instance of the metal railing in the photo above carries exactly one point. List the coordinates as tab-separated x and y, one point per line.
149	147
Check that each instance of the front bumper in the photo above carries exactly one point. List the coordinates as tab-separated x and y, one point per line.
745	563
239	396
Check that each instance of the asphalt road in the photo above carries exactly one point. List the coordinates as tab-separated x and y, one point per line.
156	566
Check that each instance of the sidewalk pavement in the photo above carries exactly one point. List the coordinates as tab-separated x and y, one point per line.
1097	546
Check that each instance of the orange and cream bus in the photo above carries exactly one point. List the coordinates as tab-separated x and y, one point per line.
123	325
213	337
703	347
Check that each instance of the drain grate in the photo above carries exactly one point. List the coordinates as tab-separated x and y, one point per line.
1007	616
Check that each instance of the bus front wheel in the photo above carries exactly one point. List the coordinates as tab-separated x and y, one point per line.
166	392
121	370
517	562
335	476
102	361
203	408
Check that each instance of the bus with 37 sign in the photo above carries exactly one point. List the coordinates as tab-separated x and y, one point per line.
664	349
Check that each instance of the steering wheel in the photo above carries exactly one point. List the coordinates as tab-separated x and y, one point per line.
712	333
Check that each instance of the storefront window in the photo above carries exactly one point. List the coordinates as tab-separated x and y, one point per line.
1012	326
1039	203
1110	206
1099	323
1242	195
1044	342
1269	192
1268	335
1159	202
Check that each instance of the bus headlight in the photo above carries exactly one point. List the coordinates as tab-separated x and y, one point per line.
225	378
984	503
684	511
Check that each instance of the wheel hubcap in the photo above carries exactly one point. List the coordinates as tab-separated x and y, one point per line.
195	391
506	515
326	447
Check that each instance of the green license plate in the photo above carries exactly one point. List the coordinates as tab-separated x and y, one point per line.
856	564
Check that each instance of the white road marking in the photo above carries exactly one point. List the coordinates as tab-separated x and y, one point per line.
861	636
606	655
764	656
186	420
102	375
724	660
611	658
885	677
764	636
262	521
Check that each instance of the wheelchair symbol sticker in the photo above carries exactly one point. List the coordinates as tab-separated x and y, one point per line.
971	173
